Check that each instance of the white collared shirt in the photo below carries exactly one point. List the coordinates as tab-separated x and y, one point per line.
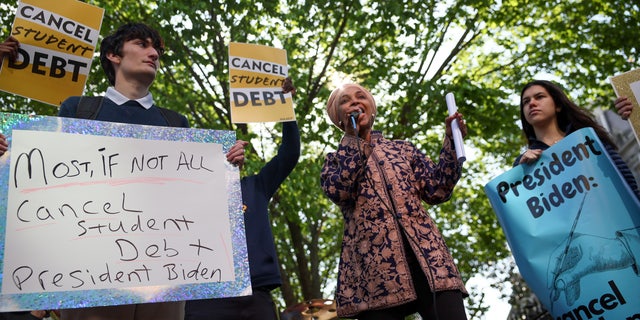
117	97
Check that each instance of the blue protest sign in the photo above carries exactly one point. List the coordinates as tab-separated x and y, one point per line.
573	223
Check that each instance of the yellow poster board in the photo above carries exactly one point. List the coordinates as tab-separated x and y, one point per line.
628	85
57	43
256	75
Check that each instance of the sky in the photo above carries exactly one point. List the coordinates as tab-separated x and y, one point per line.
499	308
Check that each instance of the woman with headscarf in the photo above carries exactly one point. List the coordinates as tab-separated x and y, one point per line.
394	260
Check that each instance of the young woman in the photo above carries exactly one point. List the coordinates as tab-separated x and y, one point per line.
548	115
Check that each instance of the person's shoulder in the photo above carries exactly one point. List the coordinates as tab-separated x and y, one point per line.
175	119
173	112
70	101
69	106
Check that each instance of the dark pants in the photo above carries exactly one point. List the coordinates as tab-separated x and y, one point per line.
444	305
20	315
258	306
448	306
144	311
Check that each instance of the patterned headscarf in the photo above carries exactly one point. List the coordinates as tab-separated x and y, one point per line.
332	104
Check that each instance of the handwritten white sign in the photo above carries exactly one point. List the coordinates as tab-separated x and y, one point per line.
94	212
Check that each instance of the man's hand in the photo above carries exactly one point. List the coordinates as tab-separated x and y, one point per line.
287	86
4	146
235	156
9	48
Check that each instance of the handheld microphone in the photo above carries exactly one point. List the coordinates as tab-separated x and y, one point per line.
353	116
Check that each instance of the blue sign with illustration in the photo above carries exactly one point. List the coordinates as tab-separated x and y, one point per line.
573	225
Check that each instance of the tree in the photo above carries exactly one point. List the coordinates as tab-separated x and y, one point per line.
410	54
525	304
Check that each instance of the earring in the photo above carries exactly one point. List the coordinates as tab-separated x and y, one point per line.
340	123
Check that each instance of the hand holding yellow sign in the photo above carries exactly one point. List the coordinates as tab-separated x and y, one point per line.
256	76
57	42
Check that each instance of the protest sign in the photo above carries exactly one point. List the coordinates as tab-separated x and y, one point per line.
572	224
92	209
57	42
256	75
628	85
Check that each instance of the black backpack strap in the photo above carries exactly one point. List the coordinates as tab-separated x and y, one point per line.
173	118
89	107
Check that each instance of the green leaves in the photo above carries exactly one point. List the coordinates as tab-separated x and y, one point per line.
410	54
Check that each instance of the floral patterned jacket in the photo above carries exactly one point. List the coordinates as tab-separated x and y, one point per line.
380	195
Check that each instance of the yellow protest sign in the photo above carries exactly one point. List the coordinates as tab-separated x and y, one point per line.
628	85
256	75
57	42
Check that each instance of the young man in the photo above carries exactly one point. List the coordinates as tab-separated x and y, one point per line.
130	58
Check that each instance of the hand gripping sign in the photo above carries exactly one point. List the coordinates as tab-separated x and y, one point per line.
256	76
57	43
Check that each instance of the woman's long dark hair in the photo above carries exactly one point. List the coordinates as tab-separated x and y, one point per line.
569	114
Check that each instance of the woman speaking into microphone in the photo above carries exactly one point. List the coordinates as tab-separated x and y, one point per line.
394	260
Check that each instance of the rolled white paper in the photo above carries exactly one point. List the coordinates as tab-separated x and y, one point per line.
455	128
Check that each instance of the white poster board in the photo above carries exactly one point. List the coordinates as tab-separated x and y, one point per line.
119	211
